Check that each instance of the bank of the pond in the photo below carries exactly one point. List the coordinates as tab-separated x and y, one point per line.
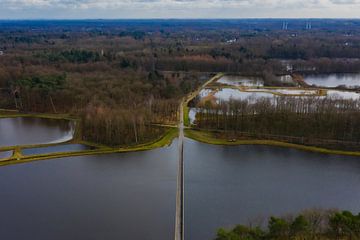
15	114
17	158
209	138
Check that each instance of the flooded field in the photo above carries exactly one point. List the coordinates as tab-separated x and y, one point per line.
343	94
349	80
241	81
289	91
226	94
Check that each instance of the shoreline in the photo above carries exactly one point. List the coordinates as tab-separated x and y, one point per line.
205	137
165	139
16	158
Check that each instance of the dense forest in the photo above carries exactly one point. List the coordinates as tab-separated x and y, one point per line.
120	77
314	224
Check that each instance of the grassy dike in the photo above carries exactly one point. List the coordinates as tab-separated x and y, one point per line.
164	140
186	115
14	114
209	138
17	156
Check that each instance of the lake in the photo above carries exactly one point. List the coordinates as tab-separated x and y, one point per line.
28	130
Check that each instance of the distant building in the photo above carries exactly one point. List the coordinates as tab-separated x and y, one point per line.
231	41
285	26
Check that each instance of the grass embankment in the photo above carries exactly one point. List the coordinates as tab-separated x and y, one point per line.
186	110
164	140
209	138
14	114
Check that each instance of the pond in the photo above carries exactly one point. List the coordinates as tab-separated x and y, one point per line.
133	195
350	80
287	91
343	94
55	149
117	196
226	94
5	154
234	80
225	186
27	130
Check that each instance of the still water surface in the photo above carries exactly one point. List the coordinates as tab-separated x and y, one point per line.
26	130
118	196
233	80
349	80
5	154
234	185
56	149
133	195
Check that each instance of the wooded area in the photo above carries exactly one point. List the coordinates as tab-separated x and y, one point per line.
311	224
302	120
122	76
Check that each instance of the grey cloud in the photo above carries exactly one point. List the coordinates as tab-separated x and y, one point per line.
183	8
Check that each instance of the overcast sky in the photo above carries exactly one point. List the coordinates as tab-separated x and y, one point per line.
74	9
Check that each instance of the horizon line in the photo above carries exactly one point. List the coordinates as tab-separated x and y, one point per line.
175	18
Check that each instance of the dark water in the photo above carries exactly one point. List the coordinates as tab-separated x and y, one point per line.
133	195
119	196
55	149
5	154
20	131
231	185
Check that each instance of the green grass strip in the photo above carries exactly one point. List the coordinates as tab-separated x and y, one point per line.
208	137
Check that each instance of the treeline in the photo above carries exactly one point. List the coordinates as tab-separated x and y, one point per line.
307	226
194	48
119	127
73	56
307	118
117	106
99	70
